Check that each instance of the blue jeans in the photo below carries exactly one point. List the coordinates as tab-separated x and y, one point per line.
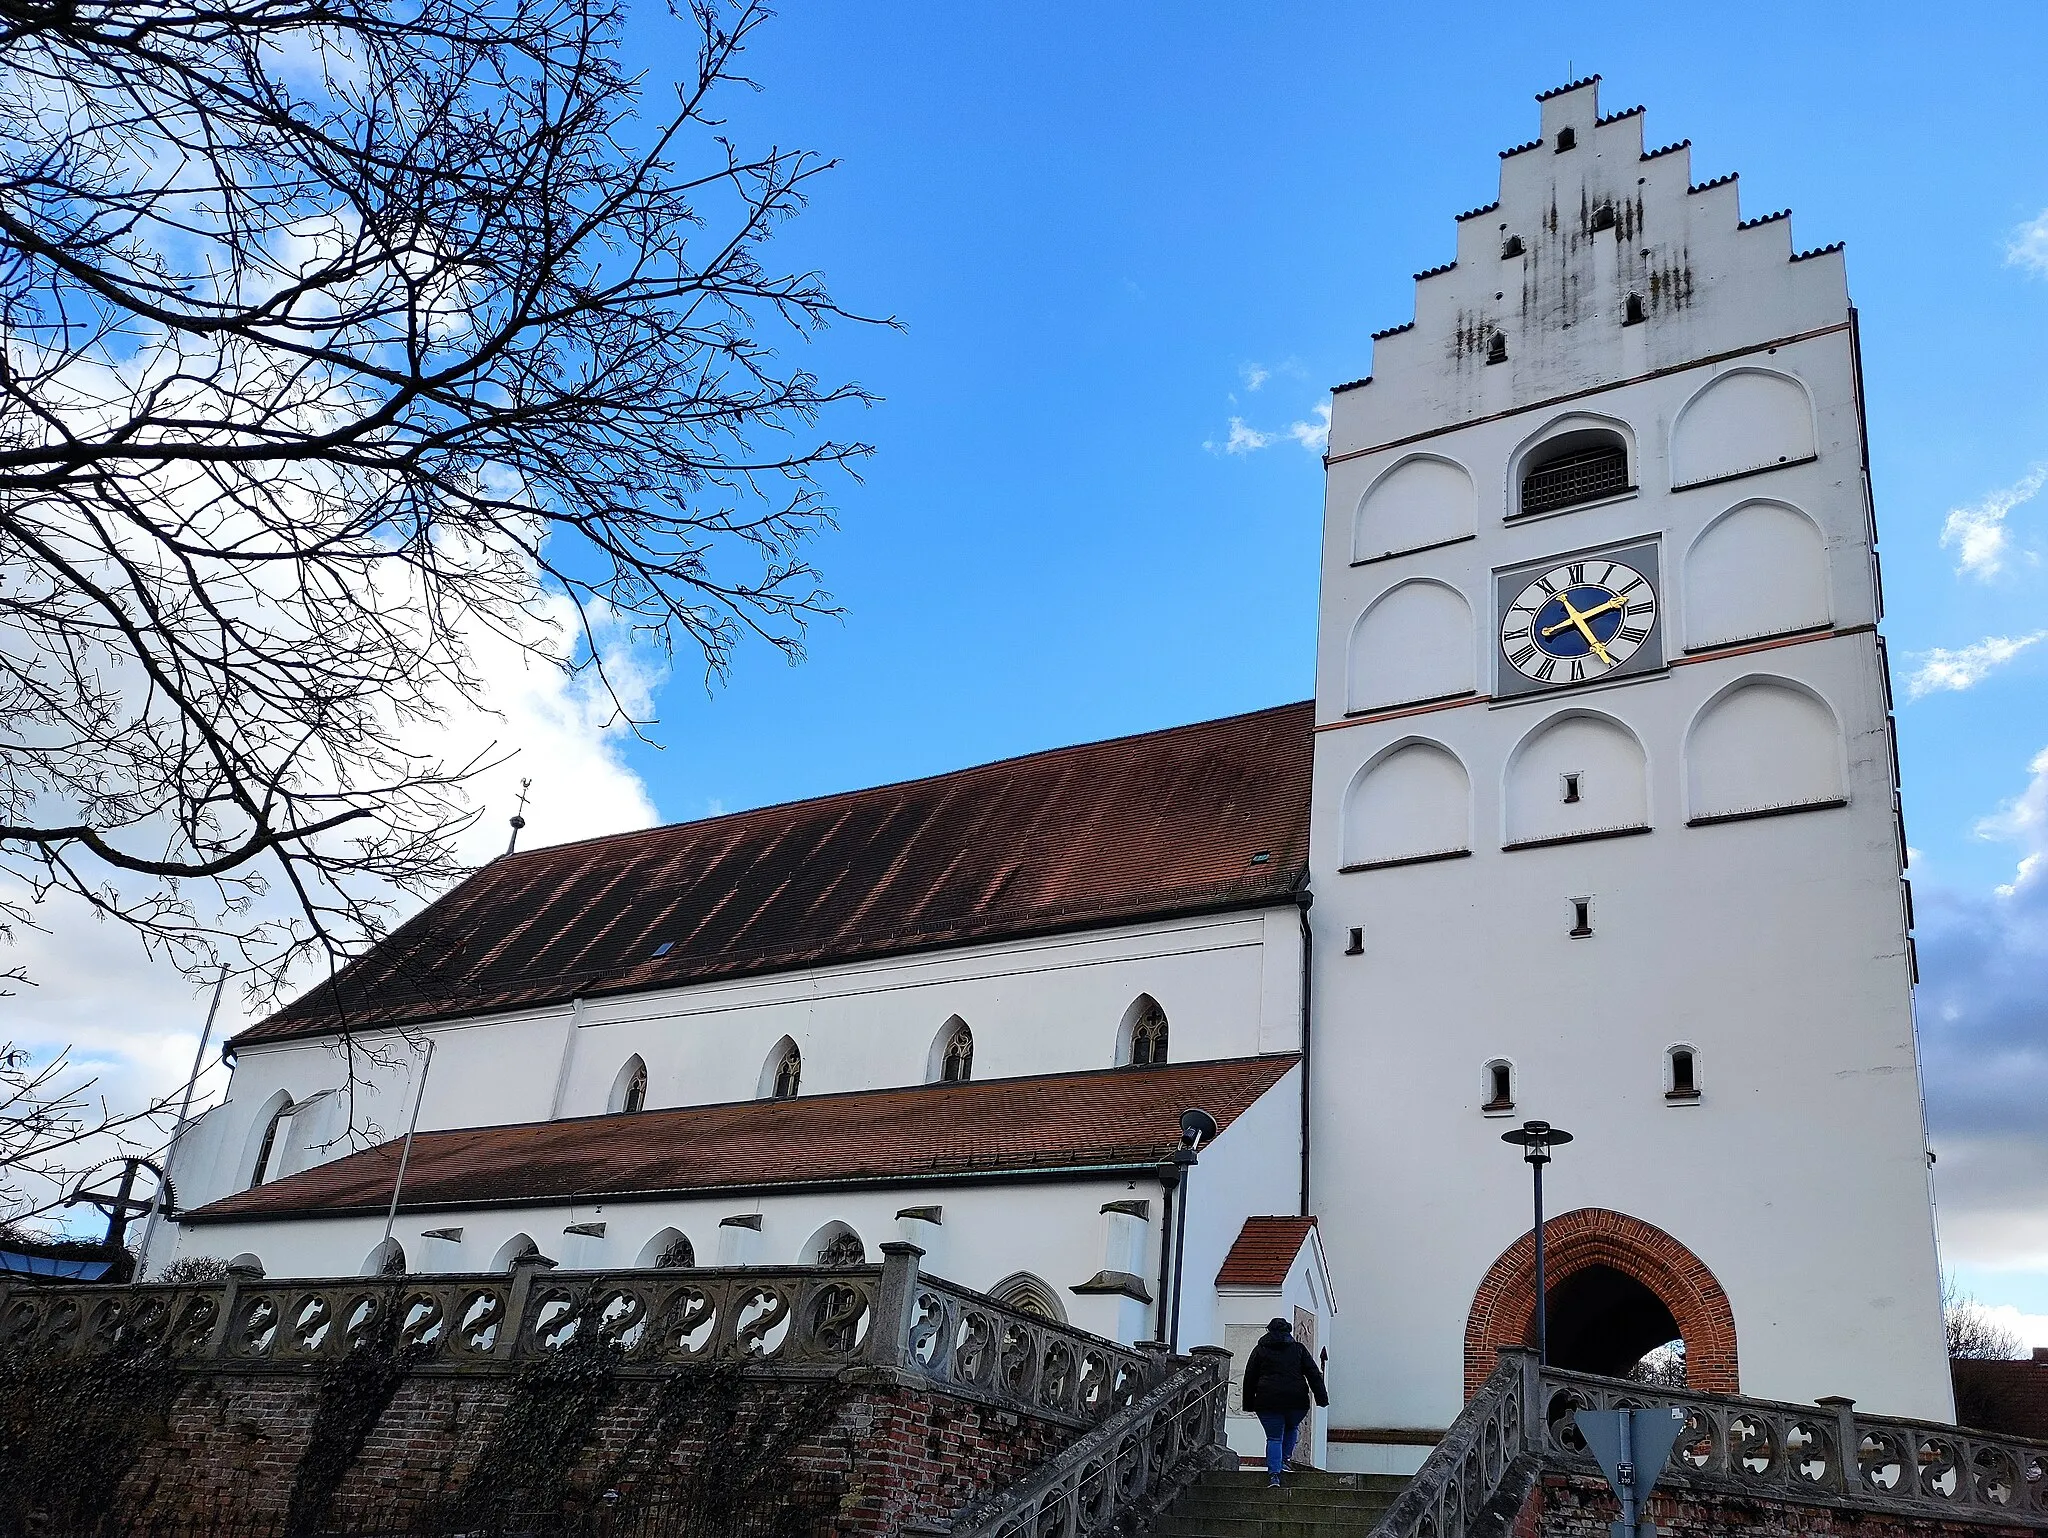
1281	1431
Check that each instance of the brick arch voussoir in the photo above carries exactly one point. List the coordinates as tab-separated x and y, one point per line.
1504	1305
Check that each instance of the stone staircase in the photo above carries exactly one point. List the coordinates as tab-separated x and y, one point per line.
1312	1504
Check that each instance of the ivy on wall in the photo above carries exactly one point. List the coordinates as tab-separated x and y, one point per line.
70	1431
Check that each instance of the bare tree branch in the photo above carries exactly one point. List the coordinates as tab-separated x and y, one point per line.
335	334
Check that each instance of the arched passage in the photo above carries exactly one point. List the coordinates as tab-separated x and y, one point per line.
1614	1281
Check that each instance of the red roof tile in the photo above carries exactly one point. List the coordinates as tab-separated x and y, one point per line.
1139	827
2009	1398
1264	1252
1116	1116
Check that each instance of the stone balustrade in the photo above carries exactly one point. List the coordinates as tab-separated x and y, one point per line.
1521	1423
794	1319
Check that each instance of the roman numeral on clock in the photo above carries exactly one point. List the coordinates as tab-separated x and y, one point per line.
1549	669
1521	658
1578	670
1634	636
1577	572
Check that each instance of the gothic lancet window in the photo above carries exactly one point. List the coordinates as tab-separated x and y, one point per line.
266	1155
1148	1035
632	1092
789	1073
958	1064
843	1250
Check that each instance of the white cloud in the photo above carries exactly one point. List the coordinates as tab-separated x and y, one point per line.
1977	533
1313	435
132	1022
2028	245
1966	666
1253	375
1984	1047
2032	1329
1242	439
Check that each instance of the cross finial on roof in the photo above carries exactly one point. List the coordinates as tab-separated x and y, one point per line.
518	816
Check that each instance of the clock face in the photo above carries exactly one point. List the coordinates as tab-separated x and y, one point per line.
1578	622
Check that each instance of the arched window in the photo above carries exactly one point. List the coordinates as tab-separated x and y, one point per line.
789	1073
837	1246
1681	1074
267	1150
387	1259
1029	1294
956	1058
629	1090
1141	1042
515	1249
669	1250
1500	1086
1588	465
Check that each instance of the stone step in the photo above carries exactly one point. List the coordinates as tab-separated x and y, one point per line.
1226	1502
1176	1526
1311	1504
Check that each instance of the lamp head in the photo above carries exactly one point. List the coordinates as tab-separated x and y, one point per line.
1196	1128
1536	1139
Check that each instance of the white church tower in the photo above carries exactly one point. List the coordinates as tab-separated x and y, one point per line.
1605	824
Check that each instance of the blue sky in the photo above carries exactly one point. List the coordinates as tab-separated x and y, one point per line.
1100	226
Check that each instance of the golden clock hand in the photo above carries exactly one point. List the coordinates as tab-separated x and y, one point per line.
1585	630
1616	602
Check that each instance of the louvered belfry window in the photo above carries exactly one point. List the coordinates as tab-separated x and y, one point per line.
1585	475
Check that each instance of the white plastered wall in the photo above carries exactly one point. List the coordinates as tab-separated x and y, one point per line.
1777	946
1230	985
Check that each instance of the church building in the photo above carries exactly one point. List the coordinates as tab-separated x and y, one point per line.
1593	819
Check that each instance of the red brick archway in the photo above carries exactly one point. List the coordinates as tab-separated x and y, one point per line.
1504	1307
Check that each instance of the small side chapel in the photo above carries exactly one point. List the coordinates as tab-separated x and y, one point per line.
1593	818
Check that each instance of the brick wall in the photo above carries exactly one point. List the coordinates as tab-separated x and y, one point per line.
1572	1506
889	1450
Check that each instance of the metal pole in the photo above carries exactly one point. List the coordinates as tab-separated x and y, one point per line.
405	1153
1542	1281
156	1207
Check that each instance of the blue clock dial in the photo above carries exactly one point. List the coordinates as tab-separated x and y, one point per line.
1578	621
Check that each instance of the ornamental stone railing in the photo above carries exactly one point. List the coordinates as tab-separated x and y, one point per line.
1521	1424
796	1320
1126	1470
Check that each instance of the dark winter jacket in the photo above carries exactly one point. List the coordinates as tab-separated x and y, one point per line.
1279	1376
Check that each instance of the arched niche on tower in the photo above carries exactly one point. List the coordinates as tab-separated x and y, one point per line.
1745	420
1413	643
1762	746
1573	460
1580	774
1422	501
1760	569
1411	801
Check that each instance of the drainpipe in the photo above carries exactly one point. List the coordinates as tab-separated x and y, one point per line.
1169	1180
1308	938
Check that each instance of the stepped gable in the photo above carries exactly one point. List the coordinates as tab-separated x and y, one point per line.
1113	1117
1585	220
1141	827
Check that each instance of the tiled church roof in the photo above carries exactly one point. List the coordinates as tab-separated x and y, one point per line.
1264	1252
1116	1117
1177	821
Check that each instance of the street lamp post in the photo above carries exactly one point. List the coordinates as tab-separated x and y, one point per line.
1536	1139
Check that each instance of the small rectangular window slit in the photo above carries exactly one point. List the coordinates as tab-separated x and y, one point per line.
1355	946
1571	788
1503	1088
1582	917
